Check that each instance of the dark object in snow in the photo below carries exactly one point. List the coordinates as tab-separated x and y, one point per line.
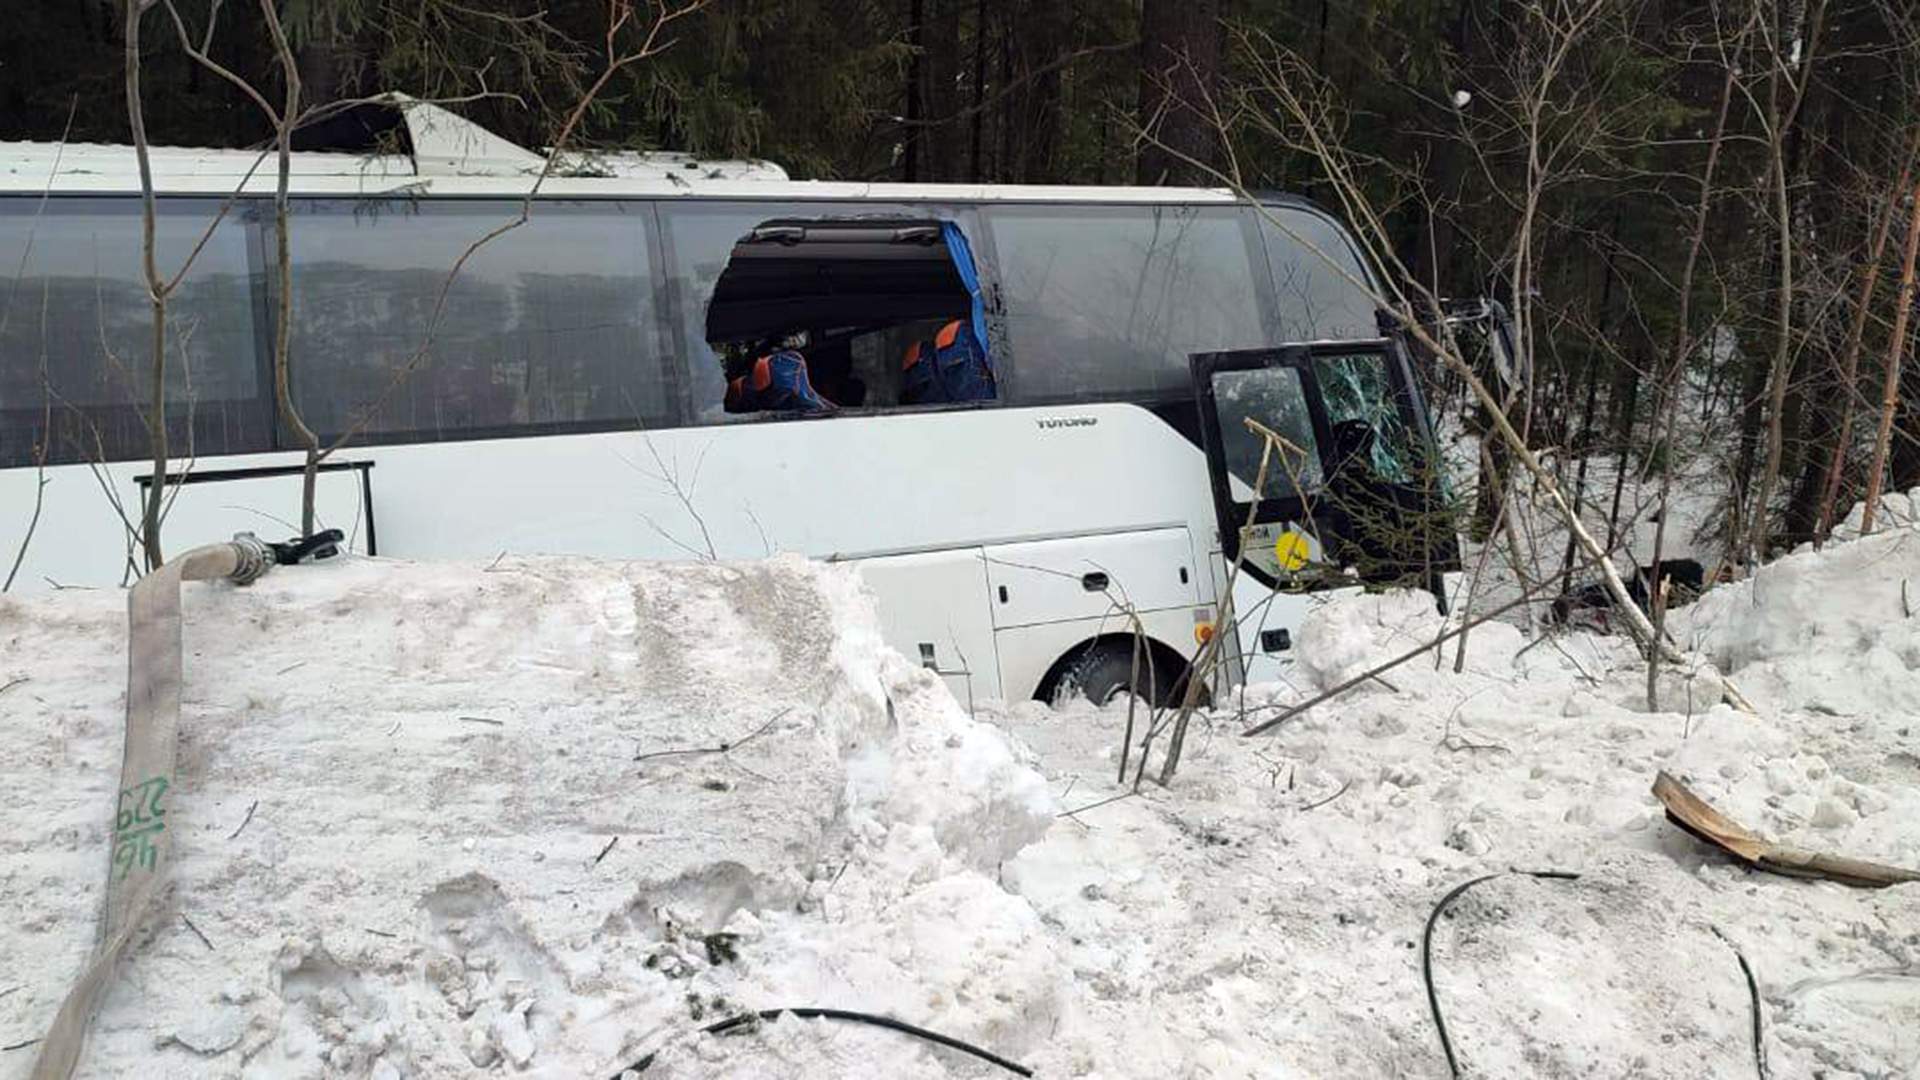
324	544
1426	949
1753	1003
722	948
1683	579
753	1018
1433	995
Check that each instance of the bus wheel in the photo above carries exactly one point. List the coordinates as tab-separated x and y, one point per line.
1102	671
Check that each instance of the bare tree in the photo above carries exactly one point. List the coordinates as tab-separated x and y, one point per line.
161	491
1896	352
1283	100
1792	67
43	446
40	451
1675	376
1863	305
157	291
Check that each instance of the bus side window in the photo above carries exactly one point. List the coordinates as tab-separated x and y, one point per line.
1107	302
548	327
76	333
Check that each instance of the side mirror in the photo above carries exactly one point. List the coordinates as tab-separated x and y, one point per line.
1483	328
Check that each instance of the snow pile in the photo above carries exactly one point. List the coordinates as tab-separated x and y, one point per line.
1833	631
441	755
1264	916
414	840
1342	638
1896	510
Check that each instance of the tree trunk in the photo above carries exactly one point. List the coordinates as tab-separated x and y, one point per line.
1034	134
1822	398
1179	70
1752	390
918	135
321	62
975	171
1781	123
1579	450
1004	36
1896	351
1625	459
1850	357
940	94
283	268
1903	457
1779	368
156	493
1673	380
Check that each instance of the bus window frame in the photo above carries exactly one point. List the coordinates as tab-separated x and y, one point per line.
688	344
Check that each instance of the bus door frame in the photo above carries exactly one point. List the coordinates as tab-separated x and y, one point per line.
1234	515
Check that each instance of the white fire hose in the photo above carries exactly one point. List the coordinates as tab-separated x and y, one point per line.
138	866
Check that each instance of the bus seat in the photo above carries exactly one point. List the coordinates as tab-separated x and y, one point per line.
830	368
951	367
777	383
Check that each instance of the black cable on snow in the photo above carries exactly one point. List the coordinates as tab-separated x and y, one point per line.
810	1013
1753	1001
1426	948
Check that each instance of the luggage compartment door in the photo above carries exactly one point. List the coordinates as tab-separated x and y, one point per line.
933	609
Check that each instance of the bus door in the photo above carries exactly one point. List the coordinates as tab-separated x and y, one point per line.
1353	492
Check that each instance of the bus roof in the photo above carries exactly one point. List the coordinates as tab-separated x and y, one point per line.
444	154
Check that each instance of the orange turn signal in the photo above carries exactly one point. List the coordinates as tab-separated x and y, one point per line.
1202	632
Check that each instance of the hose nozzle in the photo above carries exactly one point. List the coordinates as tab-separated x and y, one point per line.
254	559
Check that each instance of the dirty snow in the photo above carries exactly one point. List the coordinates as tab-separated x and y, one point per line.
441	754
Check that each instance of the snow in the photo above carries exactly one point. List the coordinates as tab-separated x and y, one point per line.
1832	631
440	755
1246	925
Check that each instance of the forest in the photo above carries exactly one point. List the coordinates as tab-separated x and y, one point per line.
1701	216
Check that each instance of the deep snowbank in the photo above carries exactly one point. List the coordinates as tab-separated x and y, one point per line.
1263	917
440	756
1832	631
397	789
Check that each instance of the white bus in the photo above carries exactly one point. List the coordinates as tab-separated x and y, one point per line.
575	396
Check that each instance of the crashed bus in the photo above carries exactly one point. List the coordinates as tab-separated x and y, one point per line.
1020	411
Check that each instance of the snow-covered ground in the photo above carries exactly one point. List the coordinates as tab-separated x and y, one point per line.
399	782
1263	917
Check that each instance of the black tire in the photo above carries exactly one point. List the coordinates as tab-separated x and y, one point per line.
1104	670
